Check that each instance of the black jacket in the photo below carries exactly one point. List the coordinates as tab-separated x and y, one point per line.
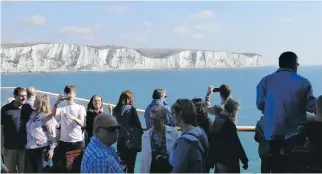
225	146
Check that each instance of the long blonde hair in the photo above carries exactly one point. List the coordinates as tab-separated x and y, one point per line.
44	101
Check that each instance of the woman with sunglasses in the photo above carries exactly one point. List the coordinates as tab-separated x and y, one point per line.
189	154
130	136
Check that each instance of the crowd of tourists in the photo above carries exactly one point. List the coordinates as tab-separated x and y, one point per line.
37	137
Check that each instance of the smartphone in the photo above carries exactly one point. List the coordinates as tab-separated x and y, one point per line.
215	90
67	97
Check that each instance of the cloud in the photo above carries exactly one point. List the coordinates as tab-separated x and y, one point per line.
35	20
206	14
147	24
79	30
198	31
87	33
74	30
286	20
117	9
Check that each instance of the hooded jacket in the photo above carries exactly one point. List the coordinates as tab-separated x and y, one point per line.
190	152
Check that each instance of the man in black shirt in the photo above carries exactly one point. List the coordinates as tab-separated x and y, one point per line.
14	116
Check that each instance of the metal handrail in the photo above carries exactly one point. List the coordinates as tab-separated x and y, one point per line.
140	111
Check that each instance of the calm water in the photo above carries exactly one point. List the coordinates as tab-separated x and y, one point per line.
179	84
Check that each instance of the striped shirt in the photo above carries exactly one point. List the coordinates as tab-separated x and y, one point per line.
99	158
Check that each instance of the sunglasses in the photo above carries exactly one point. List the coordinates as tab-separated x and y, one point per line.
111	129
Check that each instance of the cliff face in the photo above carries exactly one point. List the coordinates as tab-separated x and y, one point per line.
69	57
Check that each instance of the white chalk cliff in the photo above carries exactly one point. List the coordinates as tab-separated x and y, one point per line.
69	57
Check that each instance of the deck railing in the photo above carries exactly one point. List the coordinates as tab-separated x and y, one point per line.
85	101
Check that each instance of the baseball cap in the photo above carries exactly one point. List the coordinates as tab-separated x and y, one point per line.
105	121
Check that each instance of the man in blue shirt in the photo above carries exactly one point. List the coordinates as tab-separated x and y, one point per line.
100	156
159	96
284	97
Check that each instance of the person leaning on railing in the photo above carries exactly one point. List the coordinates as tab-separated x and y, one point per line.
284	97
231	104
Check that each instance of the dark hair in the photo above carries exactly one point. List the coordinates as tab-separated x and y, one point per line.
157	94
201	110
126	98
90	106
224	91
17	90
69	88
287	60
187	109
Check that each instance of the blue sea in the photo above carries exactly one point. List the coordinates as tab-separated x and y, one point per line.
178	83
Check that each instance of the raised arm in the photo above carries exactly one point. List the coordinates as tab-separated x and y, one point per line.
210	109
56	111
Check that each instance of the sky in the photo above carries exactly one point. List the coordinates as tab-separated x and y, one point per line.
265	28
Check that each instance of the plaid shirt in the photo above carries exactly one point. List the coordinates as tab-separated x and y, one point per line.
99	158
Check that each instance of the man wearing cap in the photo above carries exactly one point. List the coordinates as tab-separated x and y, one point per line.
100	156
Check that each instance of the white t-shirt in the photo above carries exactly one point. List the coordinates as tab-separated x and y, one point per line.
70	130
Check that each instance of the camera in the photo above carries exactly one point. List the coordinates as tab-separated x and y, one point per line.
215	90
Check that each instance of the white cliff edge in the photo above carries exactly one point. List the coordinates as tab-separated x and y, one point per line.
70	57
